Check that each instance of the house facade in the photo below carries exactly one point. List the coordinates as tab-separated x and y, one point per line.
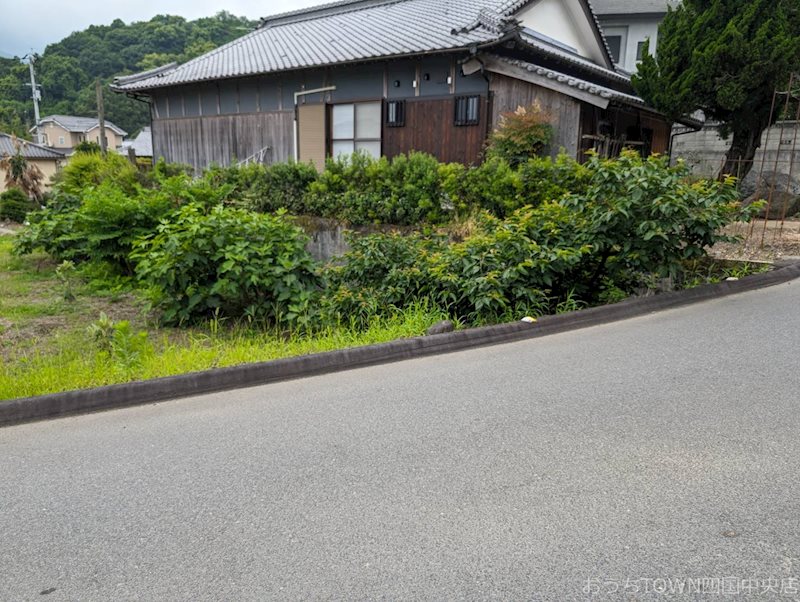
628	25
65	132
48	160
388	77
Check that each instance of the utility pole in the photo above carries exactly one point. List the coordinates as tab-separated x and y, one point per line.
101	117
37	96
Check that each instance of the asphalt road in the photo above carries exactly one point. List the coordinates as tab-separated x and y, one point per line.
612	463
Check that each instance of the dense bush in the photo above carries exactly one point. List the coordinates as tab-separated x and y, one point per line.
85	170
501	189
509	268
642	216
101	206
544	179
229	262
521	135
361	190
15	205
267	188
635	218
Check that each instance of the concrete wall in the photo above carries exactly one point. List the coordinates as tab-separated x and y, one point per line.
705	151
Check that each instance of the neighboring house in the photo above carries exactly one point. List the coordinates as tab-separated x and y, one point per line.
141	145
387	77
65	132
628	24
46	159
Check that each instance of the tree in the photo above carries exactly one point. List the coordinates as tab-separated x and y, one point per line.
726	58
21	174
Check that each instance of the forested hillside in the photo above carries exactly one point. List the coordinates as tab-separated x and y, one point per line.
67	70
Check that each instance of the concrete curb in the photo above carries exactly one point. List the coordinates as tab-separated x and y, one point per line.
136	393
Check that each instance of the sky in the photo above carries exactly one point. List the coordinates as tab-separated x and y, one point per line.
26	26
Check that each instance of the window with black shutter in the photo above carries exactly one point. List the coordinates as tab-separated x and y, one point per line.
396	113
468	110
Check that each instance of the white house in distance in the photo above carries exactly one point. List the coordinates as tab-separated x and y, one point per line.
628	24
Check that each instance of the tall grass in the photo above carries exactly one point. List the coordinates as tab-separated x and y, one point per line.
77	365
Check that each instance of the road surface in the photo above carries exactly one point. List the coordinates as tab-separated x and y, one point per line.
621	462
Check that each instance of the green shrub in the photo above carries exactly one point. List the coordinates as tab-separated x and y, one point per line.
102	223
86	170
543	179
111	220
494	185
15	205
54	229
361	190
88	146
521	135
229	262
509	268
267	188
642	216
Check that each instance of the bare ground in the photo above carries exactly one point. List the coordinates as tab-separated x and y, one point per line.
769	241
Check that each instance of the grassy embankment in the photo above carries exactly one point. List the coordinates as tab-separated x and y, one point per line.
45	346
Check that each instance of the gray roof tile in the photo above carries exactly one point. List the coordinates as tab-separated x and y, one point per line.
30	150
352	31
73	123
335	33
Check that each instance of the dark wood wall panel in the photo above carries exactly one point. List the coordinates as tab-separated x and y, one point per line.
223	139
510	93
430	128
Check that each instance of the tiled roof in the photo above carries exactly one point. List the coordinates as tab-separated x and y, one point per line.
574	82
142	145
536	42
72	123
29	149
342	32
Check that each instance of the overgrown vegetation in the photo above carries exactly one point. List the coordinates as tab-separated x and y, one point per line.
490	243
14	205
102	334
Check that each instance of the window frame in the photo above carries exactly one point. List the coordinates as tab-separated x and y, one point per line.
399	116
462	116
356	138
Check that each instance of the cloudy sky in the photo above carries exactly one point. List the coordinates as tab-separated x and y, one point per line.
33	25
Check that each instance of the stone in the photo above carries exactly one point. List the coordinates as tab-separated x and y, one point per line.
441	328
757	180
782	204
783	188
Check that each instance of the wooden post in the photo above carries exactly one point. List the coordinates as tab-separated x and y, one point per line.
101	118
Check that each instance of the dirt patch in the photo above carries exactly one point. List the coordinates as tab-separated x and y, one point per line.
772	240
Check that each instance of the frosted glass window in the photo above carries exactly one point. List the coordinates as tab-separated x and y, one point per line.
371	148
343	122
368	120
343	147
356	127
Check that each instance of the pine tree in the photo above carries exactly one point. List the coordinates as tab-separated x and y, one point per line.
726	58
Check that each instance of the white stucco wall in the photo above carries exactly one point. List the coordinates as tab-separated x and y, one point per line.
566	22
633	30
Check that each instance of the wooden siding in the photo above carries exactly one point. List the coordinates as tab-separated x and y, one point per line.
223	139
509	94
430	128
